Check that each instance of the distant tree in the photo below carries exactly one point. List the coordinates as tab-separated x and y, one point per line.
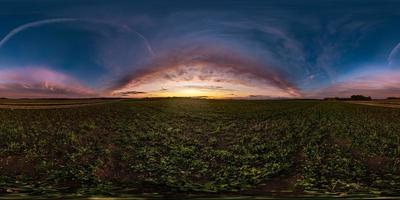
393	98
360	98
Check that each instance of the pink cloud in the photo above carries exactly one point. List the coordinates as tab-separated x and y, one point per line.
39	83
380	84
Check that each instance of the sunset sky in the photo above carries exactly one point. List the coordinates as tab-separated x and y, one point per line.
213	49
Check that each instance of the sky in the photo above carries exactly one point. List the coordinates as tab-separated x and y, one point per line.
212	49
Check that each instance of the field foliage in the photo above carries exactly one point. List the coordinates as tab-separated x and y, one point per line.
188	145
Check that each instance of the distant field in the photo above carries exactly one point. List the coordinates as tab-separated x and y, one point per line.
50	103
383	103
283	148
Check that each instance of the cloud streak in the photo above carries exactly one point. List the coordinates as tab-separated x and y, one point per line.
39	23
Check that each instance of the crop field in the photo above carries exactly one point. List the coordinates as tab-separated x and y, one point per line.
50	103
192	146
384	103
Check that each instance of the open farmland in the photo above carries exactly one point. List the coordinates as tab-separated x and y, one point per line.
390	103
50	103
187	146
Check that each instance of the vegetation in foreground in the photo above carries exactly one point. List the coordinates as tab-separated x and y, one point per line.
213	146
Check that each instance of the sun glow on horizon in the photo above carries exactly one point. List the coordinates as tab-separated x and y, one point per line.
199	89
191	92
201	82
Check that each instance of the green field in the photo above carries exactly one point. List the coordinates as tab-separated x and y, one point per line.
189	146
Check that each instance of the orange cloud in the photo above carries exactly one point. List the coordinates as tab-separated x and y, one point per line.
208	65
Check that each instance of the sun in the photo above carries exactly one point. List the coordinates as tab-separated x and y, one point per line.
190	92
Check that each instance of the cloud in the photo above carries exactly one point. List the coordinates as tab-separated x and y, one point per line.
281	50
207	63
209	87
128	93
394	57
259	97
38	23
380	84
40	83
